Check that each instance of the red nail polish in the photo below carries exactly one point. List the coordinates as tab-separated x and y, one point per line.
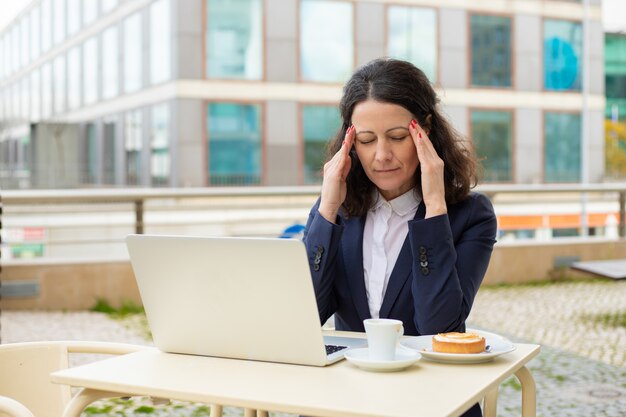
413	122
420	135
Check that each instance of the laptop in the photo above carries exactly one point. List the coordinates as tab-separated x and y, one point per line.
243	298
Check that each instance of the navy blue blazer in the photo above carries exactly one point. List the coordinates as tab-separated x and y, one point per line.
433	284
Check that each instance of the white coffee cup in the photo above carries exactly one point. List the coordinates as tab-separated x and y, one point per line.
382	338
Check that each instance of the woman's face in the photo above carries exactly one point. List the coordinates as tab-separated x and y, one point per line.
385	146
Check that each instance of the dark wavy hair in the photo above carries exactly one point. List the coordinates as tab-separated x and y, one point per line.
399	82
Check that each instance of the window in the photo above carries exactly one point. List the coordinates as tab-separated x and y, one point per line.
133	52
25	97
326	40
59	21
491	51
562	55
562	147
35	34
91	155
90	11
108	5
90	71
73	78
46	24
3	62
234	39
411	42
133	133
16	47
46	90
25	38
234	144
59	84
109	149
493	139
35	96
160	44
110	63
160	145
73	16
320	123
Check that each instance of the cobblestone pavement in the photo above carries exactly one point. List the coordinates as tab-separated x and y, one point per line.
581	370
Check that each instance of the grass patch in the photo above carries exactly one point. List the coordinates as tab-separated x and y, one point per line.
128	308
614	319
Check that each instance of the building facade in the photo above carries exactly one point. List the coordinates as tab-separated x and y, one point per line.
97	93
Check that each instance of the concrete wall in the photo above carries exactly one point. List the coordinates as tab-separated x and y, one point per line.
77	286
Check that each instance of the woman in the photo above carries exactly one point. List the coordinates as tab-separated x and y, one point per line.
396	232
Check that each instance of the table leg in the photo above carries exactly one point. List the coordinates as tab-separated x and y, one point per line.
249	412
490	405
85	397
216	410
529	392
262	413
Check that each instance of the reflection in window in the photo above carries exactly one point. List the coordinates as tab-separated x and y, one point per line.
234	39
160	145
133	128
416	43
46	90
90	71
320	123
562	147
326	40
46	24
91	155
491	51
35	35
493	138
109	148
160	46
35	97
234	144
59	21
73	16
59	84
73	78
110	63
562	55
132	53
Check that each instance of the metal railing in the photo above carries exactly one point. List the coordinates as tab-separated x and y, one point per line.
92	223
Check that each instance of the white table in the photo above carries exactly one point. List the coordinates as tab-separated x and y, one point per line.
426	389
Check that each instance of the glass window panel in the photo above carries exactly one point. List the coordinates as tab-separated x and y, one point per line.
59	84
110	63
90	11
109	150
160	44
35	97
90	71
16	47
493	139
411	42
234	39
326	40
46	90
59	21
491	51
562	147
108	5
91	156
25	38
25	98
35	34
15	92
160	145
46	24
132	53
3	62
562	55
73	78
73	16
133	144
320	123
234	144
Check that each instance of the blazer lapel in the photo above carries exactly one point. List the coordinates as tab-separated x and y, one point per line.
401	270
353	262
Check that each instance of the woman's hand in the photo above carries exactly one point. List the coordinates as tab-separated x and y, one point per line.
334	182
431	165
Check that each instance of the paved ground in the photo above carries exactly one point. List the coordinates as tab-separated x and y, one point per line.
580	372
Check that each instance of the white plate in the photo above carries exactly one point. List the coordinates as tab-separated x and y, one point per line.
361	358
498	345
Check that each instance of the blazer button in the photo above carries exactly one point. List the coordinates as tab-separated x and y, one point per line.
423	257
316	267
425	271
317	261
422	250
423	264
320	249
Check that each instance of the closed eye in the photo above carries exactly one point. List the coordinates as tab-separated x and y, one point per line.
398	138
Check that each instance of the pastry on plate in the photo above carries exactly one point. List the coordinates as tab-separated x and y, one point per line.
455	342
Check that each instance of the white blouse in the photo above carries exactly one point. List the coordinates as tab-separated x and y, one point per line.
386	228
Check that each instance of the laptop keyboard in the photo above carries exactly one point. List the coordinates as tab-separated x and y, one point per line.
333	348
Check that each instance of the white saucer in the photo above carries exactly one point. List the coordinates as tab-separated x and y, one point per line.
361	358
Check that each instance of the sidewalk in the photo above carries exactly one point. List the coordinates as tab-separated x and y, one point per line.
581	370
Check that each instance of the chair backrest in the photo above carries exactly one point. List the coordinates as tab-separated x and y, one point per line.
26	369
